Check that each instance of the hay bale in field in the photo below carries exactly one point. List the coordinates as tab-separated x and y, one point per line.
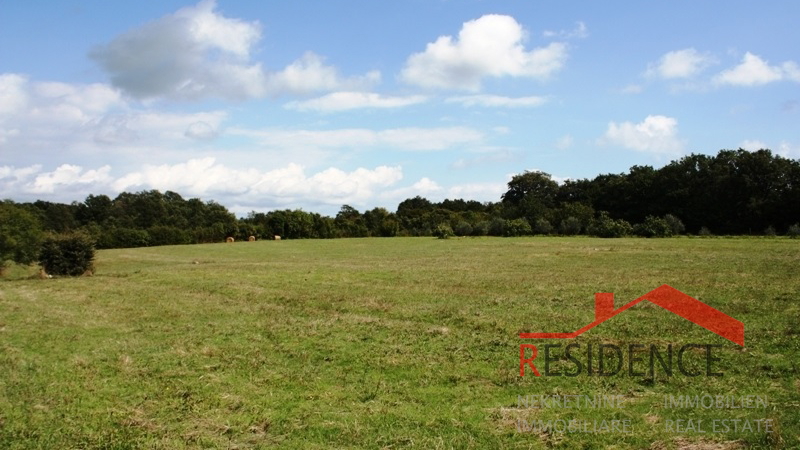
251	239
277	238
229	239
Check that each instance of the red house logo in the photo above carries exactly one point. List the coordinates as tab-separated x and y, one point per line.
668	298
664	296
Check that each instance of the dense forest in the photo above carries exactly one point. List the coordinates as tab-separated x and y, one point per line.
734	192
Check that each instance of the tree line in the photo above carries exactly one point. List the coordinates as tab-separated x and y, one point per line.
733	192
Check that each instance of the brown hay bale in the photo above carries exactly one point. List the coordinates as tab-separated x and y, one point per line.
229	240
277	238
251	239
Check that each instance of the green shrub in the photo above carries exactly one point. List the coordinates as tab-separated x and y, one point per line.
570	226
704	231
463	228
606	227
770	231
653	227
69	254
793	231
481	228
20	235
542	226
443	231
518	227
497	227
675	224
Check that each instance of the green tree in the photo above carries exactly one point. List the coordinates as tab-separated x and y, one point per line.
70	254
350	222
20	235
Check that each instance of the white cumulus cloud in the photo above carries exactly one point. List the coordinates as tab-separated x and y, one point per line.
192	53
290	185
343	101
656	134
13	95
498	101
490	46
754	71
680	64
197	52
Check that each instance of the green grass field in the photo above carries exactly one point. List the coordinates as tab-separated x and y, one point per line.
385	343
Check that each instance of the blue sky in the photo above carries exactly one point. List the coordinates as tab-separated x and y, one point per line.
312	105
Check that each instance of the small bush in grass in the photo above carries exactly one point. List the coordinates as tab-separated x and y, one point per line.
770	231
675	224
570	226
704	231
497	227
606	227
463	228
70	254
443	231
793	231
518	227
653	227
481	228
542	226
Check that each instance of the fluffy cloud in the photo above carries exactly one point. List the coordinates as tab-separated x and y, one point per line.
310	74
754	71
343	101
656	134
425	187
189	54
497	101
65	180
412	138
205	177
752	145
13	96
196	52
788	150
491	46
43	121
579	32
680	64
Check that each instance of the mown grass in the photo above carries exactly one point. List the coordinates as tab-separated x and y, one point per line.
382	343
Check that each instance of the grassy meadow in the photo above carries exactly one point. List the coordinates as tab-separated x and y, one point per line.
385	343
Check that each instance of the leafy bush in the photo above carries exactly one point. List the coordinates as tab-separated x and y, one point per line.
463	228
69	254
675	224
497	227
20	235
770	231
518	227
704	231
481	228
653	227
443	231
793	231
570	226
606	227
542	226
